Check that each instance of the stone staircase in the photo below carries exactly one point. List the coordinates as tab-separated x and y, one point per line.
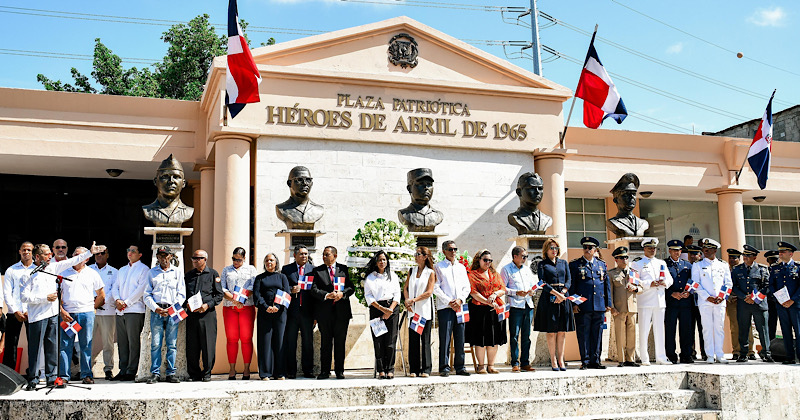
572	394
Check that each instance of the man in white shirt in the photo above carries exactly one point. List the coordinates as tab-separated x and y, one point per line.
105	317
39	292
651	303
78	303
127	292
713	275
17	311
451	289
519	280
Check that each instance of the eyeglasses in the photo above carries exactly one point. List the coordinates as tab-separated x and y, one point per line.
198	258
131	250
451	249
234	259
486	260
60	247
101	253
554	248
621	258
588	247
524	257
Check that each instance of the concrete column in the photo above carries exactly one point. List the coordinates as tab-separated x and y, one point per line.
550	166
197	217
206	204
731	218
231	197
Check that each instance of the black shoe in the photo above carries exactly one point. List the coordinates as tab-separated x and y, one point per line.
291	376
734	356
583	366
61	385
109	376
206	378
118	377
308	375
324	376
631	364
128	377
788	362
596	366
741	359
768	358
444	374
339	375
462	373
174	379
621	364
674	361
751	357
152	379
31	386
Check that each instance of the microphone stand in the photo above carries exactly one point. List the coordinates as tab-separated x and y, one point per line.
59	381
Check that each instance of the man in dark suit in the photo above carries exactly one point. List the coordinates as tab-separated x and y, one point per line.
201	324
679	306
332	310
590	280
748	278
300	317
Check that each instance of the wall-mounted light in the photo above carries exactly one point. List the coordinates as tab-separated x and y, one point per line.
759	198
565	190
646	194
113	173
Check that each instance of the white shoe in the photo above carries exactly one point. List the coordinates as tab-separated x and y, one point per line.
645	363
722	360
710	360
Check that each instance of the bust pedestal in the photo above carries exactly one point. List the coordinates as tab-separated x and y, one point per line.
296	237
429	240
533	243
173	238
633	243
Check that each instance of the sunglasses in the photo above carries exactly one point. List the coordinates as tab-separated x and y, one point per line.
486	260
132	250
588	247
524	257
101	253
620	258
451	249
554	248
234	259
195	258
60	247
419	254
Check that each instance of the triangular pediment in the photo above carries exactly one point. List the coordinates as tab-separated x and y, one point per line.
363	51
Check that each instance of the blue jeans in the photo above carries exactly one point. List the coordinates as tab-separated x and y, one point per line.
519	323
159	327
447	326
66	343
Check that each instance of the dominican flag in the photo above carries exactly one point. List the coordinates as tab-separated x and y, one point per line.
692	287
760	152
462	316
240	295
724	291
576	299
176	312
71	328
503	312
600	97
537	286
757	297
338	284
662	274
243	78
283	298
305	282
633	277
417	323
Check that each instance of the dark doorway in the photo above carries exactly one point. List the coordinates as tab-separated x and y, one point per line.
42	209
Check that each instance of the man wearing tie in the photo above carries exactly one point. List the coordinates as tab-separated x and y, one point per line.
680	305
748	278
332	311
300	317
787	275
652	302
590	280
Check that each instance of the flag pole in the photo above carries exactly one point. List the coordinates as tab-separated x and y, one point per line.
739	172
225	115
571	107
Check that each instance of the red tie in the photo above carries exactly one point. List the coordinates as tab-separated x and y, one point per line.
300	274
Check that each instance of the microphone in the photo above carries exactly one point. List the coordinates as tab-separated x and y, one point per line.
39	268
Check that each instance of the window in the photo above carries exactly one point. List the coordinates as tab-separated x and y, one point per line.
764	226
585	217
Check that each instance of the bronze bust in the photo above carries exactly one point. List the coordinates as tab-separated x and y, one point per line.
419	216
168	210
527	218
299	212
625	223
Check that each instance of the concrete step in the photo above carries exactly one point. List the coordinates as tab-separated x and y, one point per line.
688	414
401	391
465	407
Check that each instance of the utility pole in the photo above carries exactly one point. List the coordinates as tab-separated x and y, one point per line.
536	47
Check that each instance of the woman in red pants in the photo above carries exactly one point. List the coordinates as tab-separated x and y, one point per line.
238	311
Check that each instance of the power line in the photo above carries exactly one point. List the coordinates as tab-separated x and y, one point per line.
432	4
68	56
661	62
702	39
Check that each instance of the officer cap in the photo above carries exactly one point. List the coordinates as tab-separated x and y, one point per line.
772	253
621	251
628	182
732	252
417	174
588	240
653	242
693	248
163	249
170	164
786	246
750	251
675	244
710	243
527	177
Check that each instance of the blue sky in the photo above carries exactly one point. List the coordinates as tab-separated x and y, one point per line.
674	63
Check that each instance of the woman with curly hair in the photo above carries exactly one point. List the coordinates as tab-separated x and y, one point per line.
484	331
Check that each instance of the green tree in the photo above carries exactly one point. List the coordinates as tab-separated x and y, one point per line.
181	74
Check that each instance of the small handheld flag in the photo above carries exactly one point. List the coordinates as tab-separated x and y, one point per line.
283	298
462	315
633	277
240	295
305	282
378	327
338	284
757	297
760	153
576	299
724	291
605	322
503	312
692	287
71	328
417	323
662	273
176	312
537	286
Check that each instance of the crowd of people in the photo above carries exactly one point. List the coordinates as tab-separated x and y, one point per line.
72	311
